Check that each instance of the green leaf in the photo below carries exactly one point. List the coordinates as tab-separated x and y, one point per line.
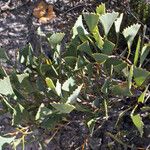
137	120
68	84
50	83
137	52
3	55
91	21
73	97
121	90
4	140
144	53
2	72
42	113
70	61
101	9
140	76
100	58
98	38
130	33
19	115
85	48
108	47
142	96
51	121
118	23
107	21
78	24
63	108
26	55
5	86
55	38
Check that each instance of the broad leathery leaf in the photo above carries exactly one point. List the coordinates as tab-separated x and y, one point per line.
63	108
4	140
19	115
26	55
81	63
144	53
100	58
85	48
121	90
70	61
68	83
137	52
137	120
118	64
98	38
142	96
91	125
3	55
56	38
118	23
101	9
42	113
108	47
51	121
73	97
91	20
5	86
107	21
140	75
78	24
130	33
50	83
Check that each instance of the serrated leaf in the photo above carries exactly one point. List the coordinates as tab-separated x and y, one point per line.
118	23
68	83
130	33
50	83
140	75
101	9
5	86
144	53
78	24
63	108
70	61
91	20
100	58
73	97
107	21
4	140
137	52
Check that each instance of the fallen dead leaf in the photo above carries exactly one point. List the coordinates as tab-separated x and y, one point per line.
44	12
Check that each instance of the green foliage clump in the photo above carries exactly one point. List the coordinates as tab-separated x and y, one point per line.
43	92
